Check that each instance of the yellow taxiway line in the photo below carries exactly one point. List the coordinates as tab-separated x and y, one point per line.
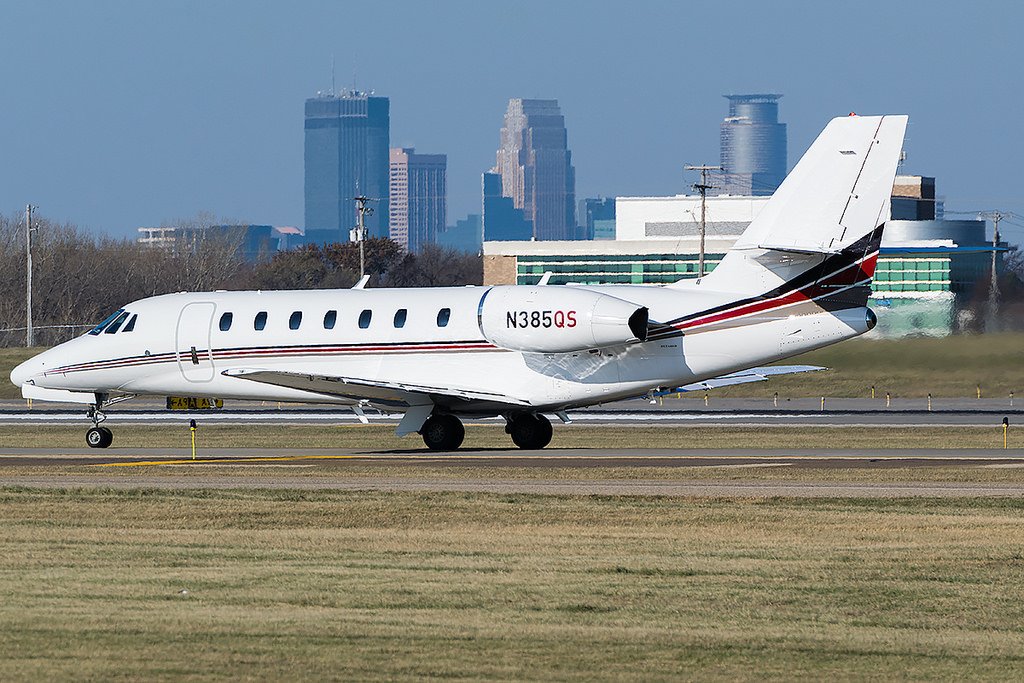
551	458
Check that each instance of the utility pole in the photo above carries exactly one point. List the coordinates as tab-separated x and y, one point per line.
703	188
29	340
358	234
993	290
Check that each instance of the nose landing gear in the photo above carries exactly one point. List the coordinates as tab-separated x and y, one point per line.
98	437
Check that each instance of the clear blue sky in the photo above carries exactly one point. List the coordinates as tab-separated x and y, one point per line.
123	114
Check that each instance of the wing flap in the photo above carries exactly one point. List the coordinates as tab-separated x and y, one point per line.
391	392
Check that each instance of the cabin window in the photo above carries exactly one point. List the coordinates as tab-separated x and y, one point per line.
295	320
364	318
260	321
443	316
225	322
330	319
400	316
116	325
131	324
99	328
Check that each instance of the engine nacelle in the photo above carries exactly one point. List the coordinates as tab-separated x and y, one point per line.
553	319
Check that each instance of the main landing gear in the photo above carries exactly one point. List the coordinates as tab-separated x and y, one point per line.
531	431
98	437
443	432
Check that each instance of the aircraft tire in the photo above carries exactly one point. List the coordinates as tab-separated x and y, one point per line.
531	432
99	437
443	432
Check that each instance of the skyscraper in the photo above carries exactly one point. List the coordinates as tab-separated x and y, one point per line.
536	169
419	195
597	218
753	146
347	142
502	221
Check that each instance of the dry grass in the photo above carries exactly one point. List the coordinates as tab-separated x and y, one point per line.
943	367
406	586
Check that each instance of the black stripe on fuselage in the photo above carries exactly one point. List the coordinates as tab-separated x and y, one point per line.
832	264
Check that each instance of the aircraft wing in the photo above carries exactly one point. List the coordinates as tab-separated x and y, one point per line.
743	376
379	391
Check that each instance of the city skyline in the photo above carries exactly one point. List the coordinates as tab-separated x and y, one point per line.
131	114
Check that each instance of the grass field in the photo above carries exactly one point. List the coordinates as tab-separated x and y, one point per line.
382	438
285	585
946	367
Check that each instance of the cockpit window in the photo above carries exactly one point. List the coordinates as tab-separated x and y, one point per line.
99	328
113	327
131	324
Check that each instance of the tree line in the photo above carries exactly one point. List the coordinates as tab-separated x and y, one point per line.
80	278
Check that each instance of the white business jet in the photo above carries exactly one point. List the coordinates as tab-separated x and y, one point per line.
798	279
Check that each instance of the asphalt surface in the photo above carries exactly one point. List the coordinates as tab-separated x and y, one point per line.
668	411
329	469
512	457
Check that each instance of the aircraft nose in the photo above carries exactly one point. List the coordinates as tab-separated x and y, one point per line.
26	371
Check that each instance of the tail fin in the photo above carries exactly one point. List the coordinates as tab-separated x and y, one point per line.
828	211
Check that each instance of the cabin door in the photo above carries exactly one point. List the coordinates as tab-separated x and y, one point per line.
192	341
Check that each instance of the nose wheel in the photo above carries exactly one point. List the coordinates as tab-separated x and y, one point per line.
98	437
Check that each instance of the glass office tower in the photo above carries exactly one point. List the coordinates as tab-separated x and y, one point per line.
536	170
346	150
753	153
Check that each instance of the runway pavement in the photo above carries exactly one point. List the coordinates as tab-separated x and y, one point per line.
733	412
702	473
513	457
